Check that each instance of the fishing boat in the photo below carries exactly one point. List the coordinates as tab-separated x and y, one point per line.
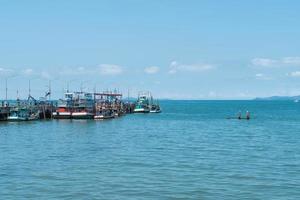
104	114
22	114
108	105
64	108
82	114
154	106
142	104
24	110
83	106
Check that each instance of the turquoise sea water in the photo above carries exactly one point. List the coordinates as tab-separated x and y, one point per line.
190	151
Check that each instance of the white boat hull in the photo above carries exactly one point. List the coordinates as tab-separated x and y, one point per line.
61	115
82	115
141	110
155	111
101	117
13	118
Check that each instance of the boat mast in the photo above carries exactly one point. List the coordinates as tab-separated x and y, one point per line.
128	95
6	89
49	90
29	89
95	88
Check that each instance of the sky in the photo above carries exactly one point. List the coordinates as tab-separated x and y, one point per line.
195	49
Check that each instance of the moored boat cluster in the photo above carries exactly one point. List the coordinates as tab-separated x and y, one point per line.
77	105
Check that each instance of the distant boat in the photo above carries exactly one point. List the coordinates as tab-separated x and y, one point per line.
155	109
154	106
143	104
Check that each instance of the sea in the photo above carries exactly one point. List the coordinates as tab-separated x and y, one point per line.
192	150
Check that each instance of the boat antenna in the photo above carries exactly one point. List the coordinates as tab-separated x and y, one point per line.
128	95
95	88
29	90
67	86
49	90
6	89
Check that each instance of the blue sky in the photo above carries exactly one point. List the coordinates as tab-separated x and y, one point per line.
176	49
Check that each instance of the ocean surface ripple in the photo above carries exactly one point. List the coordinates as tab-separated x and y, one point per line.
189	151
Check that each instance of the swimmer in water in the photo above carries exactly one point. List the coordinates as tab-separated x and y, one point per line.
247	115
239	115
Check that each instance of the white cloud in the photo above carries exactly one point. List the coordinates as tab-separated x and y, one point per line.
260	76
263	62
108	69
176	67
294	74
291	60
212	94
72	71
27	72
6	72
46	75
151	70
81	69
103	69
271	63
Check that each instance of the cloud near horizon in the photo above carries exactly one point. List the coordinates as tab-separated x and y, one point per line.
109	69
102	69
27	72
151	70
260	76
176	67
4	72
294	74
274	63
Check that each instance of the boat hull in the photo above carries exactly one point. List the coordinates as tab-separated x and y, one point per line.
18	119
155	111
82	115
102	117
62	115
4	112
141	110
3	117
